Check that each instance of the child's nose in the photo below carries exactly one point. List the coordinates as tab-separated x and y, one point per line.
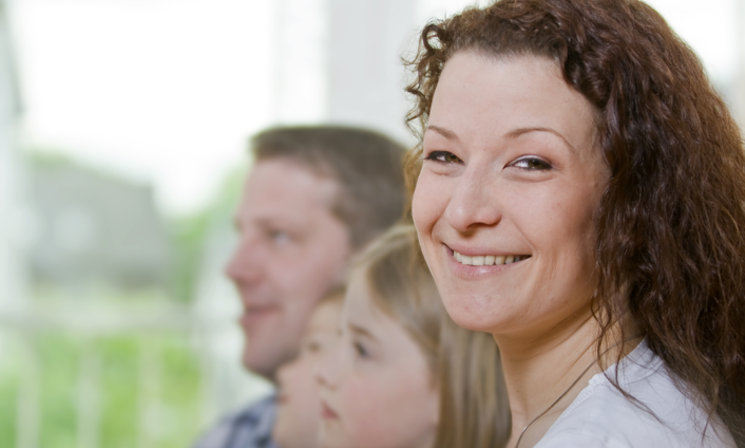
326	370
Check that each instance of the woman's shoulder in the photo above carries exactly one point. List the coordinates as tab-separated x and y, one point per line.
659	414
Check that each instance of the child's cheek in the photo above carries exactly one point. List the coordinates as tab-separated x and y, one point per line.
362	406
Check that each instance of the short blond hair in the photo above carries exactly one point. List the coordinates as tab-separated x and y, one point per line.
474	408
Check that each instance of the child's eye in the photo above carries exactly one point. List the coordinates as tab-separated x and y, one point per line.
360	350
312	347
531	163
443	157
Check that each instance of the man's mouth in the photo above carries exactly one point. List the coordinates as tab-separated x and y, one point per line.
252	314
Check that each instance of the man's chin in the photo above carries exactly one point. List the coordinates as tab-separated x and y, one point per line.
261	364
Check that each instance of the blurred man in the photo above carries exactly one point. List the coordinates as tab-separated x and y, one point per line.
314	196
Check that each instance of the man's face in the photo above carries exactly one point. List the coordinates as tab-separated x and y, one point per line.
292	250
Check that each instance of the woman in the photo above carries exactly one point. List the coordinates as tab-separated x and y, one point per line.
579	191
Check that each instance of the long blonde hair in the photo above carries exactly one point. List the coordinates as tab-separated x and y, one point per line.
465	365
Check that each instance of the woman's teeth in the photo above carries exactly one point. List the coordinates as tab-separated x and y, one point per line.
488	260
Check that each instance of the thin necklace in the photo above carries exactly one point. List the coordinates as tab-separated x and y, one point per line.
571	386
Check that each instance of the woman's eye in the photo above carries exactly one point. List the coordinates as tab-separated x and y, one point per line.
443	157
531	163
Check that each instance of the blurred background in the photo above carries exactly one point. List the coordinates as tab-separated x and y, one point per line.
123	126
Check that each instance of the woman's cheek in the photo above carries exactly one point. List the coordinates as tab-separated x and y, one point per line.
424	201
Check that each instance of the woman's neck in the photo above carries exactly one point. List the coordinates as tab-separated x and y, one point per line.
539	369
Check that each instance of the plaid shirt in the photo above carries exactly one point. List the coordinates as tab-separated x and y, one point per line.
248	428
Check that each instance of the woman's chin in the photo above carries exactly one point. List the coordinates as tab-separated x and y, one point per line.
470	313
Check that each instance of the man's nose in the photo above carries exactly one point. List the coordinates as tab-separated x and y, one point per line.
245	263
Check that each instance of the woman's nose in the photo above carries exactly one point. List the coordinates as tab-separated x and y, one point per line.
473	201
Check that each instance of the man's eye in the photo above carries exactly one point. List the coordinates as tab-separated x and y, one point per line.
443	157
279	237
531	163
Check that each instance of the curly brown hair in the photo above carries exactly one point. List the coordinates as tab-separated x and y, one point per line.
670	252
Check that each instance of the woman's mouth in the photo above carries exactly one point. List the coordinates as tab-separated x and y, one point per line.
487	260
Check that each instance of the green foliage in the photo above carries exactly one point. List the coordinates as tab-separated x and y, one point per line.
147	388
188	235
191	234
8	396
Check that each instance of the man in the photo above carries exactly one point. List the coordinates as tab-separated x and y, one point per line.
314	196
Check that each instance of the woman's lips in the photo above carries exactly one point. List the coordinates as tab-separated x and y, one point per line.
470	271
487	260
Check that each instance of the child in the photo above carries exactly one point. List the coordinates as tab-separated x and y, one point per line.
298	411
403	373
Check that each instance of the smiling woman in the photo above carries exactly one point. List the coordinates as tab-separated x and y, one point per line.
527	163
578	189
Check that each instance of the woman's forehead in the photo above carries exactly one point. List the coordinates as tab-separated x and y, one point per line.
479	99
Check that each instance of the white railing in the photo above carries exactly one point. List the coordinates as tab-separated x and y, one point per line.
19	333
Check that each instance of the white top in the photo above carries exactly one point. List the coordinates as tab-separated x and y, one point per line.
602	417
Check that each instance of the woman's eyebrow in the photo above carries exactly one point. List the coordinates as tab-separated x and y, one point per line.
521	131
448	134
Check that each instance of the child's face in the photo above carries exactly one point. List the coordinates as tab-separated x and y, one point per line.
376	387
299	408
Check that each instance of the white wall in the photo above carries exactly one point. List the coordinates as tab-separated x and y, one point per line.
11	260
738	105
364	71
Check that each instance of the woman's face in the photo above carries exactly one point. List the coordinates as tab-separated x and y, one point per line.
299	410
376	387
505	200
